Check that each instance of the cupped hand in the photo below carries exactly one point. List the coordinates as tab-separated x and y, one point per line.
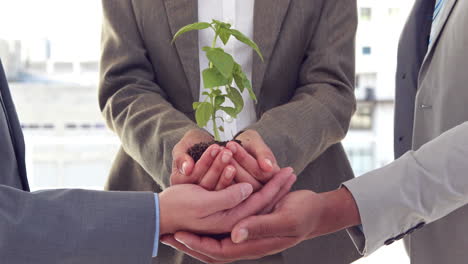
254	156
182	163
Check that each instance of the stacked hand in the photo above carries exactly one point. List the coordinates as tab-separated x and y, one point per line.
215	187
299	216
269	221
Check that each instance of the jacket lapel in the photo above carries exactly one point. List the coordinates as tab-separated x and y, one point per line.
268	19
179	14
14	127
446	12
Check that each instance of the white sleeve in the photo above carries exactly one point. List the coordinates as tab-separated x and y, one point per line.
418	188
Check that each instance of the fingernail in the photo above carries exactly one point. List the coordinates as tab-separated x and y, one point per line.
214	152
184	167
226	157
180	241
233	148
269	163
242	236
246	190
229	172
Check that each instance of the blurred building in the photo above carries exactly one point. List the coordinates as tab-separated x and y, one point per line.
53	75
369	143
53	78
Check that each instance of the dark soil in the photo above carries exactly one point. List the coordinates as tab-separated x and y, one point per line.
197	150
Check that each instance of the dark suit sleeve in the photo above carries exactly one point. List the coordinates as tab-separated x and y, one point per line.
319	113
133	104
76	226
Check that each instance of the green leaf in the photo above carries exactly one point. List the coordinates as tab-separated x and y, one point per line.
236	98
248	85
224	35
243	82
221	61
230	111
219	100
237	74
187	28
203	114
217	92
221	128
244	39
213	78
196	105
220	24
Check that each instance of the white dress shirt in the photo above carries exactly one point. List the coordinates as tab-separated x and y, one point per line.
238	13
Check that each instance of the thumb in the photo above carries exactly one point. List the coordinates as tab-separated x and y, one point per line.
229	197
184	164
261	226
264	156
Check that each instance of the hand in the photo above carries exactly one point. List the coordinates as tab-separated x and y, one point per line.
192	208
254	156
214	171
182	163
299	216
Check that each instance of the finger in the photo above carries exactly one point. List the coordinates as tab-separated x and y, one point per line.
181	160
262	153
227	250
282	193
211	178
181	170
243	176
204	163
248	162
170	241
226	178
228	198
262	226
275	224
259	200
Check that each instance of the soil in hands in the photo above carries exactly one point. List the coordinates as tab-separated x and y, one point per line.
197	150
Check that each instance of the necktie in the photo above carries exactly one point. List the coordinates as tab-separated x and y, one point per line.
436	18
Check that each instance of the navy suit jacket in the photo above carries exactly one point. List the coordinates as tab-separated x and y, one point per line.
65	226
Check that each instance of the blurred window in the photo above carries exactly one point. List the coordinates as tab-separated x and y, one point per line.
363	118
366	50
366	13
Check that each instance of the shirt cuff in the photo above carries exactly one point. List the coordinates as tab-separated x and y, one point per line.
156	235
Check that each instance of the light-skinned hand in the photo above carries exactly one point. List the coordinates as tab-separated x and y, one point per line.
182	163
254	156
215	170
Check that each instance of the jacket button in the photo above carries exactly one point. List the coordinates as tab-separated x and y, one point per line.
425	106
420	225
400	236
390	241
403	76
411	230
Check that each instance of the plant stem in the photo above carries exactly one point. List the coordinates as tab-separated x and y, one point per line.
215	129
213	101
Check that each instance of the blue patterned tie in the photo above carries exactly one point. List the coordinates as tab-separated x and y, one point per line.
436	18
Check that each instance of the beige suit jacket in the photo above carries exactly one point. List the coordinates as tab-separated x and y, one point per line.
430	181
305	91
